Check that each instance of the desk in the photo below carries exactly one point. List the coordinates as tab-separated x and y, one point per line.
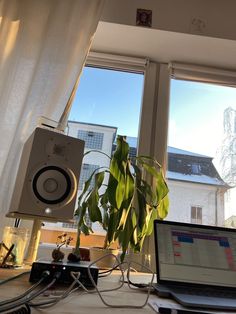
80	302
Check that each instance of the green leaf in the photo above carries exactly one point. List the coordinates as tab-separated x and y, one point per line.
93	209
112	226
87	184
93	200
161	188
128	197
96	151
118	166
126	234
163	207
85	229
80	213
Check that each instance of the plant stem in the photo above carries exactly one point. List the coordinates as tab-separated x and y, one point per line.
105	245
77	245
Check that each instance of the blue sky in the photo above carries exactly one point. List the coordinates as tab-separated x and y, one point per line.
196	109
196	115
109	97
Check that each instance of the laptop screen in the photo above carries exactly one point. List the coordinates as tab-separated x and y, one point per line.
195	254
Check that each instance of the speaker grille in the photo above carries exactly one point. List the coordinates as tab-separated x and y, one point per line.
52	185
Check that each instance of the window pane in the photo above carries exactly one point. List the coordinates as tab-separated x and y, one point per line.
199	213
93	140
193	212
109	97
107	103
202	152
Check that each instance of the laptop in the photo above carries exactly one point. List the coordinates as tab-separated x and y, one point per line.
196	264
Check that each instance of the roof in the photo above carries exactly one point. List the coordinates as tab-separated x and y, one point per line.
94	124
202	179
192	167
174	150
187	166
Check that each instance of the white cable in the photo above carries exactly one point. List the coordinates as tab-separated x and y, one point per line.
76	276
122	283
57	299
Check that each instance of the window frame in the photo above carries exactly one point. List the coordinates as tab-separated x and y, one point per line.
198	209
153	124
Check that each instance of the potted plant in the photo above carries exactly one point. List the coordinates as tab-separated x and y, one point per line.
125	199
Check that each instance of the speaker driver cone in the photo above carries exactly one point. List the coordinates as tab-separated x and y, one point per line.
52	185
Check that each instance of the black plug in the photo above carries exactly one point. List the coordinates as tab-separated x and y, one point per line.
45	273
57	275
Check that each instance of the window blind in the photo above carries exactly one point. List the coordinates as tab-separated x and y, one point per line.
116	62
205	74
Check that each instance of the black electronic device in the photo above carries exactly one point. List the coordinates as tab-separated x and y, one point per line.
65	269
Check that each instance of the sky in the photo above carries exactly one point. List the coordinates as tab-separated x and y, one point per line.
196	115
109	97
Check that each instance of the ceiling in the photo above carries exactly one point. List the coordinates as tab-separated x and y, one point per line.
164	46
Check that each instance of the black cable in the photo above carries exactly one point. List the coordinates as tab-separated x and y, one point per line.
29	297
44	275
137	285
106	273
14	277
55	300
25	309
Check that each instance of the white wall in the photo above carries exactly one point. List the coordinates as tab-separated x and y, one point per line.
230	204
218	16
184	195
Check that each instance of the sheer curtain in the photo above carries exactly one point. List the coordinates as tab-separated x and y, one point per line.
43	46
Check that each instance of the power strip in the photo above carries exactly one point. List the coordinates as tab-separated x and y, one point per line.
64	268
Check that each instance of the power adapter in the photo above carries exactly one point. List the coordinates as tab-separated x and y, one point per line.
64	268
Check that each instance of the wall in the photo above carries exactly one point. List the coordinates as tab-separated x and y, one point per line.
194	195
217	17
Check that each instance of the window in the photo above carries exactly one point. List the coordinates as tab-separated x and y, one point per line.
196	168
201	153
107	103
93	140
196	214
69	225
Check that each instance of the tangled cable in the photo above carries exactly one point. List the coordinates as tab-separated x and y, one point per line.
22	304
119	265
25	309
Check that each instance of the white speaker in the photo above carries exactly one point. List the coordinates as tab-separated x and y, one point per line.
47	179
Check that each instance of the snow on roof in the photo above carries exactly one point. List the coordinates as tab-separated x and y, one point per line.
203	179
174	150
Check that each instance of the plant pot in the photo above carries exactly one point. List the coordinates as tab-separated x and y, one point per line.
108	261
84	254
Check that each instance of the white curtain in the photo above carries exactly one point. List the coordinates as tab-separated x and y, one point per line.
43	46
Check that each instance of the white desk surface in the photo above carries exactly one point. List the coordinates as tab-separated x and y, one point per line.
80	302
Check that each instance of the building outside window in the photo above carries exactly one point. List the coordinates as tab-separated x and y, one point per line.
201	123
86	171
93	140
